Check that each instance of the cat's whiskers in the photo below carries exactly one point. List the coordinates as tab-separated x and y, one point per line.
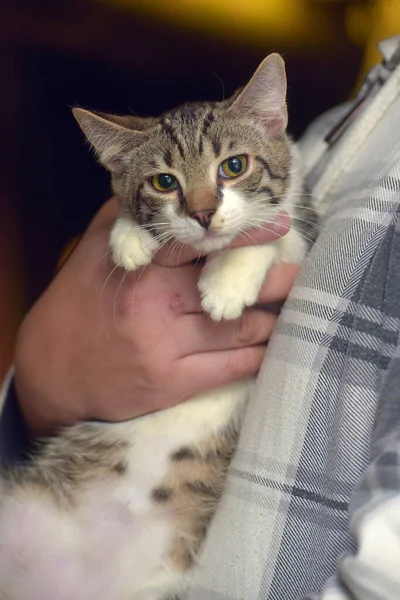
263	225
248	235
108	278
180	253
124	276
257	221
155	226
162	239
263	200
139	272
97	250
198	258
176	248
109	251
171	252
309	240
311	224
285	205
312	210
222	85
165	237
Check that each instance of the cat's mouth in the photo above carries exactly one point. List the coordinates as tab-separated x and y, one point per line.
212	240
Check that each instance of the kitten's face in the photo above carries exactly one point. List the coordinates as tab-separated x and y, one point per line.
203	172
204	175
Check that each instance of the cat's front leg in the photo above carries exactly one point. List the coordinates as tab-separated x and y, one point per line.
132	246
232	279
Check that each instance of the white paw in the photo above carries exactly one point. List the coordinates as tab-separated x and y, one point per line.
131	254
132	246
225	295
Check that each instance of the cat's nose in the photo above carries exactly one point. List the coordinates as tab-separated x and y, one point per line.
203	216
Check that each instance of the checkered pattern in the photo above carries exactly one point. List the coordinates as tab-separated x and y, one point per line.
313	497
312	506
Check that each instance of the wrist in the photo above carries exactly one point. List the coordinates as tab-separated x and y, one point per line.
42	409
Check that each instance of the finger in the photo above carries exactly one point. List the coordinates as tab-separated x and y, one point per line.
201	334
278	283
172	255
209	370
264	234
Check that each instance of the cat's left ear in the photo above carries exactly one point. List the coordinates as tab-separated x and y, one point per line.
264	97
111	139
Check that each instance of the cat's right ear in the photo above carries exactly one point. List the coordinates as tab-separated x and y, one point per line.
110	137
264	97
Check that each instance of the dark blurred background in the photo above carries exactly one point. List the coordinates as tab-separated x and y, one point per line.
143	56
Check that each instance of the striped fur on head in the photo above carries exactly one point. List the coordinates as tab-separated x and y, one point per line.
190	143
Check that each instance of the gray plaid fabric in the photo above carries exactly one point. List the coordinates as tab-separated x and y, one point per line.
312	505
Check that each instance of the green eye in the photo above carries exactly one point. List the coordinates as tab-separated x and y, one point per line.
233	166
164	182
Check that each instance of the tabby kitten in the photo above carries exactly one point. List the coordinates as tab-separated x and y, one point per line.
119	511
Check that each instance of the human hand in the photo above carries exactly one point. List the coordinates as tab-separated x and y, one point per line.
104	344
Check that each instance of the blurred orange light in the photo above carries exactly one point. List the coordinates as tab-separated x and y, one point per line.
254	21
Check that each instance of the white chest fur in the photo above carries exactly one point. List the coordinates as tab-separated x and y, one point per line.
114	545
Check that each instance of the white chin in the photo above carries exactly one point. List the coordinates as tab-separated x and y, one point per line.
210	244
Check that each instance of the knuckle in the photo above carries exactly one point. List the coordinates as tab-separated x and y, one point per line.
267	327
245	362
156	375
245	329
161	375
237	365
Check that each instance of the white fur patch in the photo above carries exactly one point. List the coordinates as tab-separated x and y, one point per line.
114	543
231	212
231	280
132	246
226	223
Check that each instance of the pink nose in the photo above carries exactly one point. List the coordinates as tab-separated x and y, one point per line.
203	217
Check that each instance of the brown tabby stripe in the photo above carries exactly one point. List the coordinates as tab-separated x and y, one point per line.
205	491
168	129
145	211
161	495
168	158
207	123
267	190
121	467
183	454
266	166
80	455
182	200
191	489
254	183
216	144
